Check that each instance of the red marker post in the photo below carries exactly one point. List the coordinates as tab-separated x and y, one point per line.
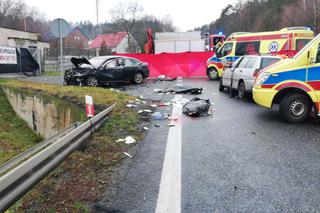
89	106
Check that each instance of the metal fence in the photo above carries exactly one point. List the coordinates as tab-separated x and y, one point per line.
51	57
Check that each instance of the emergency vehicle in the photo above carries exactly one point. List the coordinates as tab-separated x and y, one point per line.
286	41
294	83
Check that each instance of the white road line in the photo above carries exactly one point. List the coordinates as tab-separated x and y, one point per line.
169	198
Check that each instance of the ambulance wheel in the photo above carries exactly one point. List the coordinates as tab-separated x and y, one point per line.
295	108
213	73
221	87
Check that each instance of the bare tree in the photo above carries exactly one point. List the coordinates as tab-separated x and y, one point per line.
126	15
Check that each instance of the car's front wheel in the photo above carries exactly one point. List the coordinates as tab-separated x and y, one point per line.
221	87
241	90
92	81
295	108
138	78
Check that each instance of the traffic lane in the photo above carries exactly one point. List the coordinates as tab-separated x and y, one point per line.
245	158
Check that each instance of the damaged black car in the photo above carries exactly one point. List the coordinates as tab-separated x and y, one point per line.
106	69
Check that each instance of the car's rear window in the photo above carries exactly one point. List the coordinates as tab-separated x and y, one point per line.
265	62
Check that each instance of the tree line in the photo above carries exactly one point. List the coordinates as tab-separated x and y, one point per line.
127	16
265	15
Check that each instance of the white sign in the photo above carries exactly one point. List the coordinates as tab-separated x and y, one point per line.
8	55
89	106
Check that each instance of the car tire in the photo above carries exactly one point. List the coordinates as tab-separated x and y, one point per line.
295	108
138	78
213	73
221	87
92	81
241	90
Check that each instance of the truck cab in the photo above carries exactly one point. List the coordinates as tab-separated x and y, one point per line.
293	83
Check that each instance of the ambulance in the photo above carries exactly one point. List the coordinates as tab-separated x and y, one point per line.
286	41
293	83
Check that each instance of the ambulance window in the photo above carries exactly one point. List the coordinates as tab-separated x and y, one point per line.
300	43
243	63
248	48
251	62
226	49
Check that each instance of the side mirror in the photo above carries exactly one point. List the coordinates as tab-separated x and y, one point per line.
312	55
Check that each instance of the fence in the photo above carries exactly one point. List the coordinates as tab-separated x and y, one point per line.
51	57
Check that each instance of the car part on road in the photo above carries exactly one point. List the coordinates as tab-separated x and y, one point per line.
127	140
166	78
197	107
295	108
181	90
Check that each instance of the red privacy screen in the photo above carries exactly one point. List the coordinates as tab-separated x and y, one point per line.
188	64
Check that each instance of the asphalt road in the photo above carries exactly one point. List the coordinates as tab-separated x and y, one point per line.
242	159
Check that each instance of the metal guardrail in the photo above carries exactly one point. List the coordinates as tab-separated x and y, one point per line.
21	178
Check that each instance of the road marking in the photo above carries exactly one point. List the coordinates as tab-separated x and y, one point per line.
169	198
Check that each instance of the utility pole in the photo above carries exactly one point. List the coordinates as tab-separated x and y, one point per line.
97	13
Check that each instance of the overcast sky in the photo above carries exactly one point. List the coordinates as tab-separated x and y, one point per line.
185	14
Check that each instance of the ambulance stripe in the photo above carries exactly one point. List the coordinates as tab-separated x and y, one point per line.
298	75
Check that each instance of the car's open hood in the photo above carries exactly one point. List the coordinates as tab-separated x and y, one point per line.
78	61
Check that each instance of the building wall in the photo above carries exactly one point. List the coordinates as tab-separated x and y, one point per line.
123	46
76	39
16	38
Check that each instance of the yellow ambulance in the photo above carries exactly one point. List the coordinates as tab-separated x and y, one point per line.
287	41
293	83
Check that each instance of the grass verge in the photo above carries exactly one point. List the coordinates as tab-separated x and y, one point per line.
51	73
84	176
15	135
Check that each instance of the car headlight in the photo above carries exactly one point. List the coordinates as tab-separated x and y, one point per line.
262	78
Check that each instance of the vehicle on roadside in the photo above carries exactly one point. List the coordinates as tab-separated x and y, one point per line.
294	84
106	69
287	41
240	76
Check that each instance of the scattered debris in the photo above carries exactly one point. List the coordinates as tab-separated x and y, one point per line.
131	106
159	116
145	128
157	125
145	110
173	118
164	104
171	125
154	105
127	154
180	90
196	107
127	140
166	78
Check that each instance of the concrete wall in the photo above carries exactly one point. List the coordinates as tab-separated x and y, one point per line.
17	38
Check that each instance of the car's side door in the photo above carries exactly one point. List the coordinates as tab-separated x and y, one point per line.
227	73
236	75
112	70
130	68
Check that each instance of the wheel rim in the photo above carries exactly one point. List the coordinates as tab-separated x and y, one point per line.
297	108
92	82
213	74
138	78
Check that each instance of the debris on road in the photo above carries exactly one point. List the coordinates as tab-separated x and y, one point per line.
131	106
157	125
127	154
145	128
159	116
197	107
180	90
145	110
166	78
127	140
171	125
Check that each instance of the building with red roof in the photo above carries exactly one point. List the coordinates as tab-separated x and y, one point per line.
117	42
